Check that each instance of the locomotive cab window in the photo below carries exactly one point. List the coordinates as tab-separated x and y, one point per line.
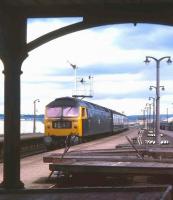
83	112
62	112
70	111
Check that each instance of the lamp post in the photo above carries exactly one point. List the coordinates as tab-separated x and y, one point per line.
34	120
143	110
147	113
148	105
153	112
147	61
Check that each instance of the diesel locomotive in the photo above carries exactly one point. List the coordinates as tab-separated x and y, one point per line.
69	116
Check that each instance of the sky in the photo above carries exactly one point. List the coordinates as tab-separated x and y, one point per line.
113	55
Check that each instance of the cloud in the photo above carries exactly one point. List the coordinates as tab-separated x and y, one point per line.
99	70
150	37
126	105
112	54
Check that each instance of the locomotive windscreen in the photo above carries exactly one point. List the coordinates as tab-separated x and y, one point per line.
62	112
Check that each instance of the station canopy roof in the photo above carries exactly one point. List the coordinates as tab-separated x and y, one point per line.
43	8
77	2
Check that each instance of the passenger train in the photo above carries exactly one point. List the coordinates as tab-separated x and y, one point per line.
69	116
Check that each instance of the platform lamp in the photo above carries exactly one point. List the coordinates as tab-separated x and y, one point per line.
149	115
153	112
143	117
34	119
147	61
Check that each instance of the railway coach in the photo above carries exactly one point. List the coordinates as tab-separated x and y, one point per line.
69	116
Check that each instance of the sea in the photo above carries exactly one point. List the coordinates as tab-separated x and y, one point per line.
26	123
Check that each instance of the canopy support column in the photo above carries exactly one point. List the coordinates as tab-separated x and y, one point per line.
12	53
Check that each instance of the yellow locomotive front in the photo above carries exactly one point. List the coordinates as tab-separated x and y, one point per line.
62	121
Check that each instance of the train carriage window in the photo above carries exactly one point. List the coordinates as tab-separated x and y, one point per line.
90	113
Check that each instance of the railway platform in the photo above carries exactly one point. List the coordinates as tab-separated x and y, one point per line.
34	172
127	173
123	164
113	166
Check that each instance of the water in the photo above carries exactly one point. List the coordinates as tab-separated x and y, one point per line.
26	126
